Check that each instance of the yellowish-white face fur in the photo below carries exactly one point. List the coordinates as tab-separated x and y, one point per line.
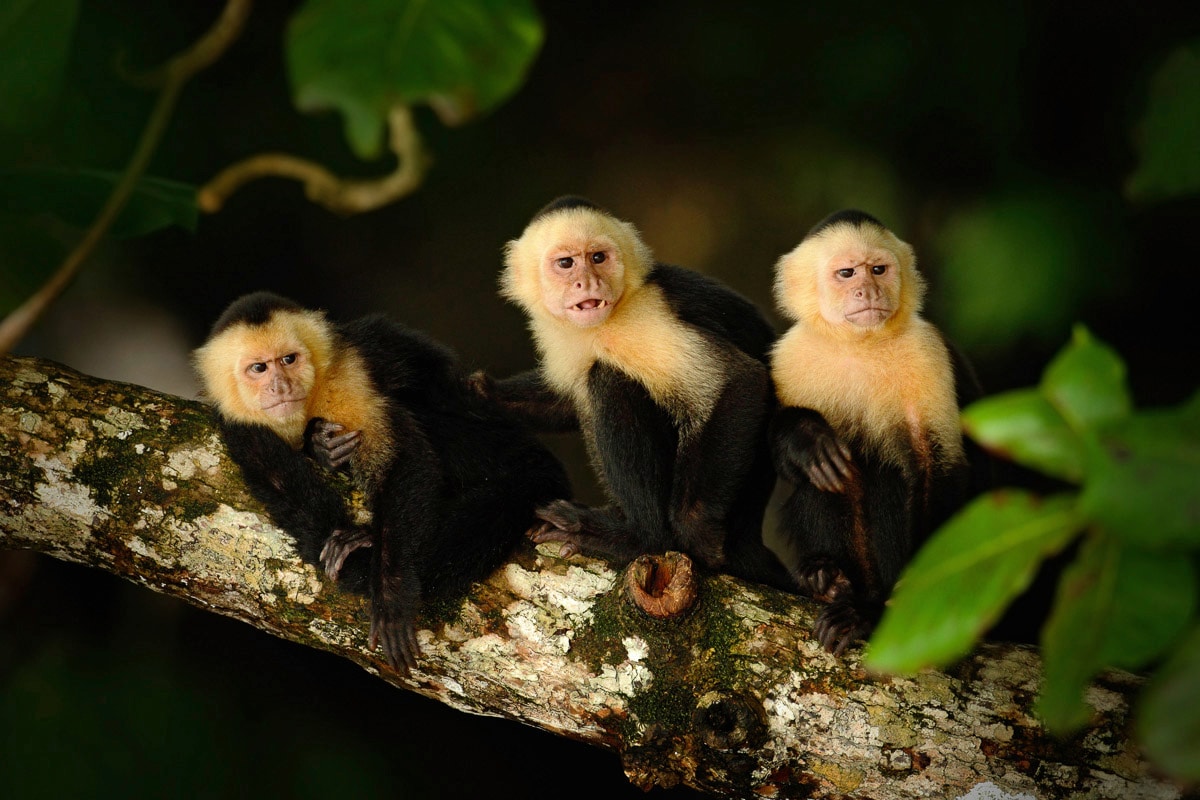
851	278
575	265
264	373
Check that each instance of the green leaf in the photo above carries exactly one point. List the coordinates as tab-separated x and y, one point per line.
1166	136
1144	478
962	579
1117	606
35	44
77	195
1168	723
1086	382
1024	427
463	57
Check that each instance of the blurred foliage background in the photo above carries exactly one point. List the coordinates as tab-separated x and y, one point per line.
1044	160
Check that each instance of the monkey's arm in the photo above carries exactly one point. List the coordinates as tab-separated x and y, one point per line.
806	448
289	486
527	397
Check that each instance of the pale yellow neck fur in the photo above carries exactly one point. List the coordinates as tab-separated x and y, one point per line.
644	340
873	386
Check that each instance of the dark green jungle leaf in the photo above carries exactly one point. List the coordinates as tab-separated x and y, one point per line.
1023	426
962	579
462	57
77	195
1117	606
1144	478
1168	724
1086	382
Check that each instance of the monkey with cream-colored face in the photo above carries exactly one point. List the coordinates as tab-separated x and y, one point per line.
664	372
451	481
868	428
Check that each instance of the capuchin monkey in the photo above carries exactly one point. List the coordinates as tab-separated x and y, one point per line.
451	480
664	372
868	430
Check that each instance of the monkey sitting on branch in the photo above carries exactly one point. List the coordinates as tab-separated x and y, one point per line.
868	430
451	480
664	371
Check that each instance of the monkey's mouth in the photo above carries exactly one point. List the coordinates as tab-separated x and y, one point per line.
591	311
869	316
284	407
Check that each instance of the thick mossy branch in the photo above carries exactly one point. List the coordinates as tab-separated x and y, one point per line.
728	695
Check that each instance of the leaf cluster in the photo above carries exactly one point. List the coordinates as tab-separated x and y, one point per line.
1128	598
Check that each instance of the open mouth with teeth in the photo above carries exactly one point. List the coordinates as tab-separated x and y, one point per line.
591	311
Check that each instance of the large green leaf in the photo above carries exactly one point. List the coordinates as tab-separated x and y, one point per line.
1144	478
1168	724
1086	382
961	580
463	57
35	43
1024	427
77	195
1166	136
1117	606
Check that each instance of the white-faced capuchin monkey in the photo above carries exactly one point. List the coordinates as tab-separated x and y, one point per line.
664	371
868	427
451	480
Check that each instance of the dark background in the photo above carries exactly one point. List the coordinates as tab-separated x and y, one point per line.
996	138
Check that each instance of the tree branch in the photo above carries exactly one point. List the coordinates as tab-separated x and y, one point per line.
732	696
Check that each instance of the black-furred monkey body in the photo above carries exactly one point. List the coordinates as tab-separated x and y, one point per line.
451	480
868	430
664	372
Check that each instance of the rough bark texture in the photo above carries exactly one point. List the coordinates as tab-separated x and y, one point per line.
732	697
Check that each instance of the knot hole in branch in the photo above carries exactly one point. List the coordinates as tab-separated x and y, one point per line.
730	722
664	586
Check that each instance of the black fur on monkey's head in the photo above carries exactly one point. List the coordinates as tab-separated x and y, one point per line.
566	203
255	308
847	216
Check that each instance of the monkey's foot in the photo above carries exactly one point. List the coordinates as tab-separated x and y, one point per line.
397	632
328	445
560	521
340	544
821	579
840	624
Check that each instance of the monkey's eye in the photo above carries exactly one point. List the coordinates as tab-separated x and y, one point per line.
599	258
879	269
288	360
257	367
847	272
566	262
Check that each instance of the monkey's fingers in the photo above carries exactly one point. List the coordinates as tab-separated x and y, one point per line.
481	383
340	448
339	545
562	514
839	625
823	476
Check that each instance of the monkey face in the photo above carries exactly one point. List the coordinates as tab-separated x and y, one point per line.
276	382
860	287
582	280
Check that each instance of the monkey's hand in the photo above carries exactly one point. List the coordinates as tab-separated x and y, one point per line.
806	448
561	521
340	544
394	623
327	444
822	579
843	622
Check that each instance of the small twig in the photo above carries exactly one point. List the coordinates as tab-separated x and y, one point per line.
170	77
342	196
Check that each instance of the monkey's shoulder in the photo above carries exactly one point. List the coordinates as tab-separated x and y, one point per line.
708	304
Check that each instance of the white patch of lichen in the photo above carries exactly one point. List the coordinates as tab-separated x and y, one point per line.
185	462
119	423
636	648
